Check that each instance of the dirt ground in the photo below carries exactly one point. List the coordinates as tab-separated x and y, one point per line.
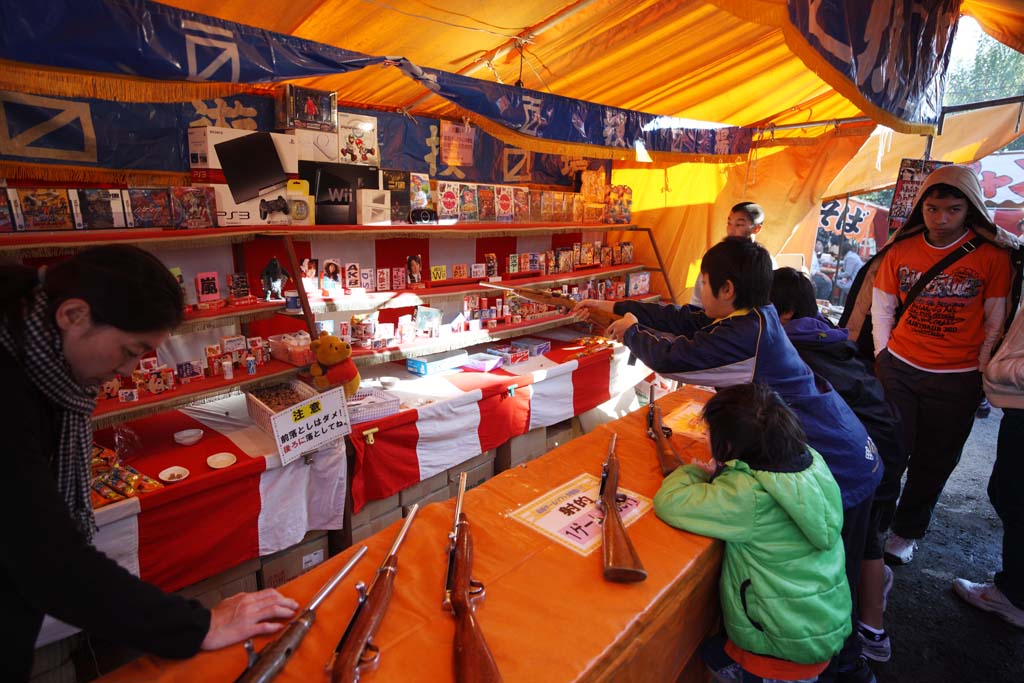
936	636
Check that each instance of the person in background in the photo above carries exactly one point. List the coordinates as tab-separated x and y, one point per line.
822	282
771	498
745	220
830	353
64	331
848	269
931	361
738	339
1004	384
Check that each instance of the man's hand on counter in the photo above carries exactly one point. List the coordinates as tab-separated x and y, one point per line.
245	615
617	330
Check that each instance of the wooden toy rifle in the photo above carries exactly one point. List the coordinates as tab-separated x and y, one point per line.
599	318
621	563
668	457
356	653
473	660
263	667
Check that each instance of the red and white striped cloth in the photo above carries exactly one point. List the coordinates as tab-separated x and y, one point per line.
472	412
215	519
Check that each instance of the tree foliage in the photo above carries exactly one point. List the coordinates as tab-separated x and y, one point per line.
997	71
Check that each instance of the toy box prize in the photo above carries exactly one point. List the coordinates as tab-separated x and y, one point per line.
45	209
436	362
236	346
534	346
207	287
298	107
300	202
510	354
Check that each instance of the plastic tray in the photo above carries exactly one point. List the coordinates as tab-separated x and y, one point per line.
384	404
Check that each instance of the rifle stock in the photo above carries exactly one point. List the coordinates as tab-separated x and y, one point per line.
473	660
668	458
356	652
621	563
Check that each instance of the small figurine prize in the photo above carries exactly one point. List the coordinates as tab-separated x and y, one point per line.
273	278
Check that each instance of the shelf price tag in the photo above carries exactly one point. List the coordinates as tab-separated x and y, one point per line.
569	515
311	425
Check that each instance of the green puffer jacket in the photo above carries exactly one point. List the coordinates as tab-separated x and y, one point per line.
783	585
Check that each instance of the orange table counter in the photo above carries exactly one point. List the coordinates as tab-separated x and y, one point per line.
548	614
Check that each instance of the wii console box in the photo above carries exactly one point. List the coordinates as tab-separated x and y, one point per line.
334	188
374	207
247	170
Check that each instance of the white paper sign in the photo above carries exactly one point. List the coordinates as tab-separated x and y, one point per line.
569	513
311	425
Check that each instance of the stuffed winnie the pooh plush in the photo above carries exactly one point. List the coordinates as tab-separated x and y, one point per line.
333	365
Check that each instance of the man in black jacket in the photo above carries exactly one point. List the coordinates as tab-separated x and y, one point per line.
832	356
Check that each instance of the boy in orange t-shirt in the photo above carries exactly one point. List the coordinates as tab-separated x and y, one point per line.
930	360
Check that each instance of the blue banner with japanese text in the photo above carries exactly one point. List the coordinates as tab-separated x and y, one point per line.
894	52
120	135
556	118
412	143
151	40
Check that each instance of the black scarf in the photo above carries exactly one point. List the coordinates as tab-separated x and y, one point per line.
42	355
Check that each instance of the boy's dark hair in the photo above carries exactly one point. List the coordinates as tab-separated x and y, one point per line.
754	211
947	191
793	292
125	287
746	264
750	422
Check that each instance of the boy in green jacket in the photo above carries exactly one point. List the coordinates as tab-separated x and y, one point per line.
785	599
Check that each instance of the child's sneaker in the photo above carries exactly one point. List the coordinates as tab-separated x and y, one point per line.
876	646
858	673
984	409
988	597
899	550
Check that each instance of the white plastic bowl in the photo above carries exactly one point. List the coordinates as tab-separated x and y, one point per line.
388	382
188	437
173	474
221	460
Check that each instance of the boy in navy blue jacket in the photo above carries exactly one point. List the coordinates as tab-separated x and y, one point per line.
737	339
830	353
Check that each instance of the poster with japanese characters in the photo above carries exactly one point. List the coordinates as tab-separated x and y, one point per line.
570	516
311	425
909	180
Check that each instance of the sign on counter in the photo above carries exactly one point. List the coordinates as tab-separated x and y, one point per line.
569	513
310	425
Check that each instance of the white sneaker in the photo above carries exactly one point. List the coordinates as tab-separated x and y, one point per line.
875	646
887	581
988	597
899	550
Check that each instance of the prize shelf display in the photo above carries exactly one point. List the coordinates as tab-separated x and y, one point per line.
112	412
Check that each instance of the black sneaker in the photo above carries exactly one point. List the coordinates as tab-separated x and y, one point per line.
859	673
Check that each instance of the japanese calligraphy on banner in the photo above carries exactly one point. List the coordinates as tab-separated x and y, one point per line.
850	218
562	119
110	134
311	425
457	143
894	52
152	40
569	513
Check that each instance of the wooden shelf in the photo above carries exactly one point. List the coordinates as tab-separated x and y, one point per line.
206	320
454	230
46	243
111	411
417	297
